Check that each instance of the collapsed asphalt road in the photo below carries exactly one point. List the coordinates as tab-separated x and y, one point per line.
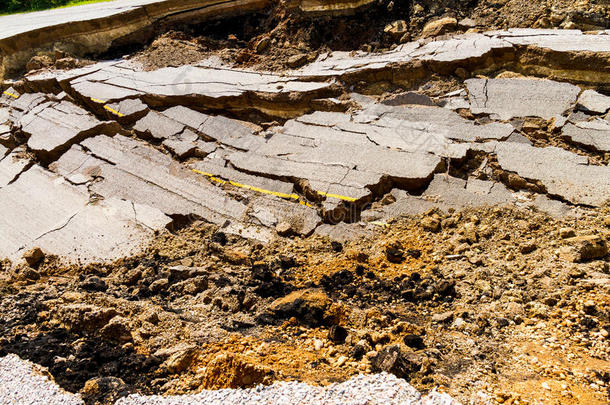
437	211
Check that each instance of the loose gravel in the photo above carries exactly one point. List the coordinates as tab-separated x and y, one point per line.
378	389
22	382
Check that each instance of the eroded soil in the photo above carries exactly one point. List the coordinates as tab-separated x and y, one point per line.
489	307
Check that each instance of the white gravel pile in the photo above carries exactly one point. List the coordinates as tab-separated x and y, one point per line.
22	382
378	389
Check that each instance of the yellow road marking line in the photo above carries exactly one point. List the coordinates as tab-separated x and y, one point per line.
112	110
11	94
252	188
341	197
115	112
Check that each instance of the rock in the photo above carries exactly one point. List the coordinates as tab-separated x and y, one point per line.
431	224
396	29
414	341
528	247
341	361
284	228
444	317
39	62
467	23
28	273
117	330
84	317
310	307
159	285
589	307
439	27
192	286
470	232
33	256
566	233
262	45
409	97
583	248
360	349
392	359
105	390
317	345
93	283
296	61
235	256
337	334
556	18
234	371
395	253
132	277
180	360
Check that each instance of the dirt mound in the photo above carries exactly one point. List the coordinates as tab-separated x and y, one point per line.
487	296
284	38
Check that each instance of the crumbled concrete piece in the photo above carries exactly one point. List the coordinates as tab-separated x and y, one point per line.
592	101
511	98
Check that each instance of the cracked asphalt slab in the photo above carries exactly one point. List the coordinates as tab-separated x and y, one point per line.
97	161
186	163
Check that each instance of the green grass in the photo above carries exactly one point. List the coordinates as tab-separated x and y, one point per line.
25	6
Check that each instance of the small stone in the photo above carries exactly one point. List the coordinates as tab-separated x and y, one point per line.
431	224
93	283
159	285
28	273
284	229
584	248
337	334
297	60
262	45
546	386
310	307
181	360
439	27
528	248
392	359
442	317
566	233
105	389
467	23
132	277
39	62
414	341
604	333
394	253
556	18
360	349
470	232
117	330
317	345
33	256
341	361
396	29
589	307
